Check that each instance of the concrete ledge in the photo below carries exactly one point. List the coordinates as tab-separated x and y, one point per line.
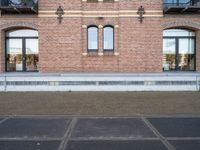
98	74
100	82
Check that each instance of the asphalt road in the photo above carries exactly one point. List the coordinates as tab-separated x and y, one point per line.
174	132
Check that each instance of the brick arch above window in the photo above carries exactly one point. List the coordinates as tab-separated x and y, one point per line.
182	23
92	25
108	25
10	25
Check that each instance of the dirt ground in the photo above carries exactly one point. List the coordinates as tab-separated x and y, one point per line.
99	103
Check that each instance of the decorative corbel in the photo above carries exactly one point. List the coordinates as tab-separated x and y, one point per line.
141	12
60	12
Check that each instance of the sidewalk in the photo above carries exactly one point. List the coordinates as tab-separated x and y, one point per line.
99	103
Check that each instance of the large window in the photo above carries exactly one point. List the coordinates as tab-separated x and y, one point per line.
177	2
92	38
108	38
22	50
179	50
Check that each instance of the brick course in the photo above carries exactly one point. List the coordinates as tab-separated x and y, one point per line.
63	47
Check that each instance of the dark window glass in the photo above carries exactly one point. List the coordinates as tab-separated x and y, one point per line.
92	1
108	39
108	1
92	38
177	1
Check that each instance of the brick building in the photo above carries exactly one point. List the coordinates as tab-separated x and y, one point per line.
120	36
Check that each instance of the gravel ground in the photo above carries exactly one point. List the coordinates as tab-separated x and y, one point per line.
99	103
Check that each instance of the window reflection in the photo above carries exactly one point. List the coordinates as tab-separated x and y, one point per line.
186	2
169	54
92	38
32	57
179	50
14	55
108	42
22	52
22	33
177	32
186	54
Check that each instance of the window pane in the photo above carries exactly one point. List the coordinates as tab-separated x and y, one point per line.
179	50
22	33
178	32
14	55
92	38
32	52
177	1
170	1
186	54
16	1
169	54
108	38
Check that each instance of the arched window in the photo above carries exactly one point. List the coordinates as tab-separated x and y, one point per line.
108	38
92	38
179	52
22	50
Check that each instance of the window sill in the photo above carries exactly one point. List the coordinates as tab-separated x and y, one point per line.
105	53
91	53
108	52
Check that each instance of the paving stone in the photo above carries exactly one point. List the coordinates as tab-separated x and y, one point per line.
29	145
177	127
33	128
111	127
1	119
186	145
115	145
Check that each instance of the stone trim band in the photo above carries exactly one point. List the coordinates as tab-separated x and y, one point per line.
119	13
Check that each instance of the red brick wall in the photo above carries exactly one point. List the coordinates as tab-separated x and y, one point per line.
53	4
100	6
93	61
2	54
140	45
62	47
13	22
188	22
198	51
133	4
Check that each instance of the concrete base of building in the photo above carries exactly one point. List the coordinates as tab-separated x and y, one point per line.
179	81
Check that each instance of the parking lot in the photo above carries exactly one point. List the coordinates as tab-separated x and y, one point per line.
100	121
99	133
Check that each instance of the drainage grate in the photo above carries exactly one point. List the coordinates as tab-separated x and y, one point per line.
147	82
101	83
31	83
77	83
175	83
198	84
121	82
48	83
